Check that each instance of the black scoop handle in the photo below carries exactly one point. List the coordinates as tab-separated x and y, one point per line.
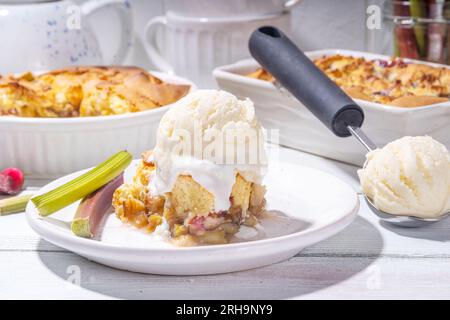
298	74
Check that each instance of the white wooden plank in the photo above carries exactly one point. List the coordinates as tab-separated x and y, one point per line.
368	236
16	235
51	275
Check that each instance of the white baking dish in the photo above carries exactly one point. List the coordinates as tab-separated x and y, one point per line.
51	147
301	130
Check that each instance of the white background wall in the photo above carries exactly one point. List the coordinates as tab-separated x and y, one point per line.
317	24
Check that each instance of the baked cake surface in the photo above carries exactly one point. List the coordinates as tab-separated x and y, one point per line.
85	91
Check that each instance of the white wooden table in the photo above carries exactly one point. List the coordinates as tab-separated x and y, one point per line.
367	260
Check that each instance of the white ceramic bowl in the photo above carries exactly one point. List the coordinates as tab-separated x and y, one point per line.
51	147
301	130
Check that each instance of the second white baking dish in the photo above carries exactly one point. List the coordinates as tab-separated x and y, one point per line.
299	129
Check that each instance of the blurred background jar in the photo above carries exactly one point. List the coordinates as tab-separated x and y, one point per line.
415	29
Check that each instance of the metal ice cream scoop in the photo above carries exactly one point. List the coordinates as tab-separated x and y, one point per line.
333	107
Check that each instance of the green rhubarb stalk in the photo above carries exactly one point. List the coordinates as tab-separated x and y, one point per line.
396	48
417	9
14	204
82	186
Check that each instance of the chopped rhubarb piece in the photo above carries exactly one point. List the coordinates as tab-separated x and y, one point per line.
196	224
437	32
93	210
418	10
405	37
11	181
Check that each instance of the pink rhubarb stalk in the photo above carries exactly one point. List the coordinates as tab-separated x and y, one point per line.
94	209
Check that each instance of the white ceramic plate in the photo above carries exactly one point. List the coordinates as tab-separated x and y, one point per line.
305	206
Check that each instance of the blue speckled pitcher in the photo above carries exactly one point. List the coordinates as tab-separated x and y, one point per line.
42	34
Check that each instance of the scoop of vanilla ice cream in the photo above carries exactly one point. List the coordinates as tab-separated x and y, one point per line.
409	176
196	137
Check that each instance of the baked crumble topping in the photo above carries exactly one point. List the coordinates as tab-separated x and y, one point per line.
393	82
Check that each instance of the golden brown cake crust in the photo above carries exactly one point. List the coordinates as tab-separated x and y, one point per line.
86	91
394	82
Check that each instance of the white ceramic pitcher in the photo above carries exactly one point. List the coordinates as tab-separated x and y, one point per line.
43	34
193	47
228	8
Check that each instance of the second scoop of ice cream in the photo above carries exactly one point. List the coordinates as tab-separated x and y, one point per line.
409	176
